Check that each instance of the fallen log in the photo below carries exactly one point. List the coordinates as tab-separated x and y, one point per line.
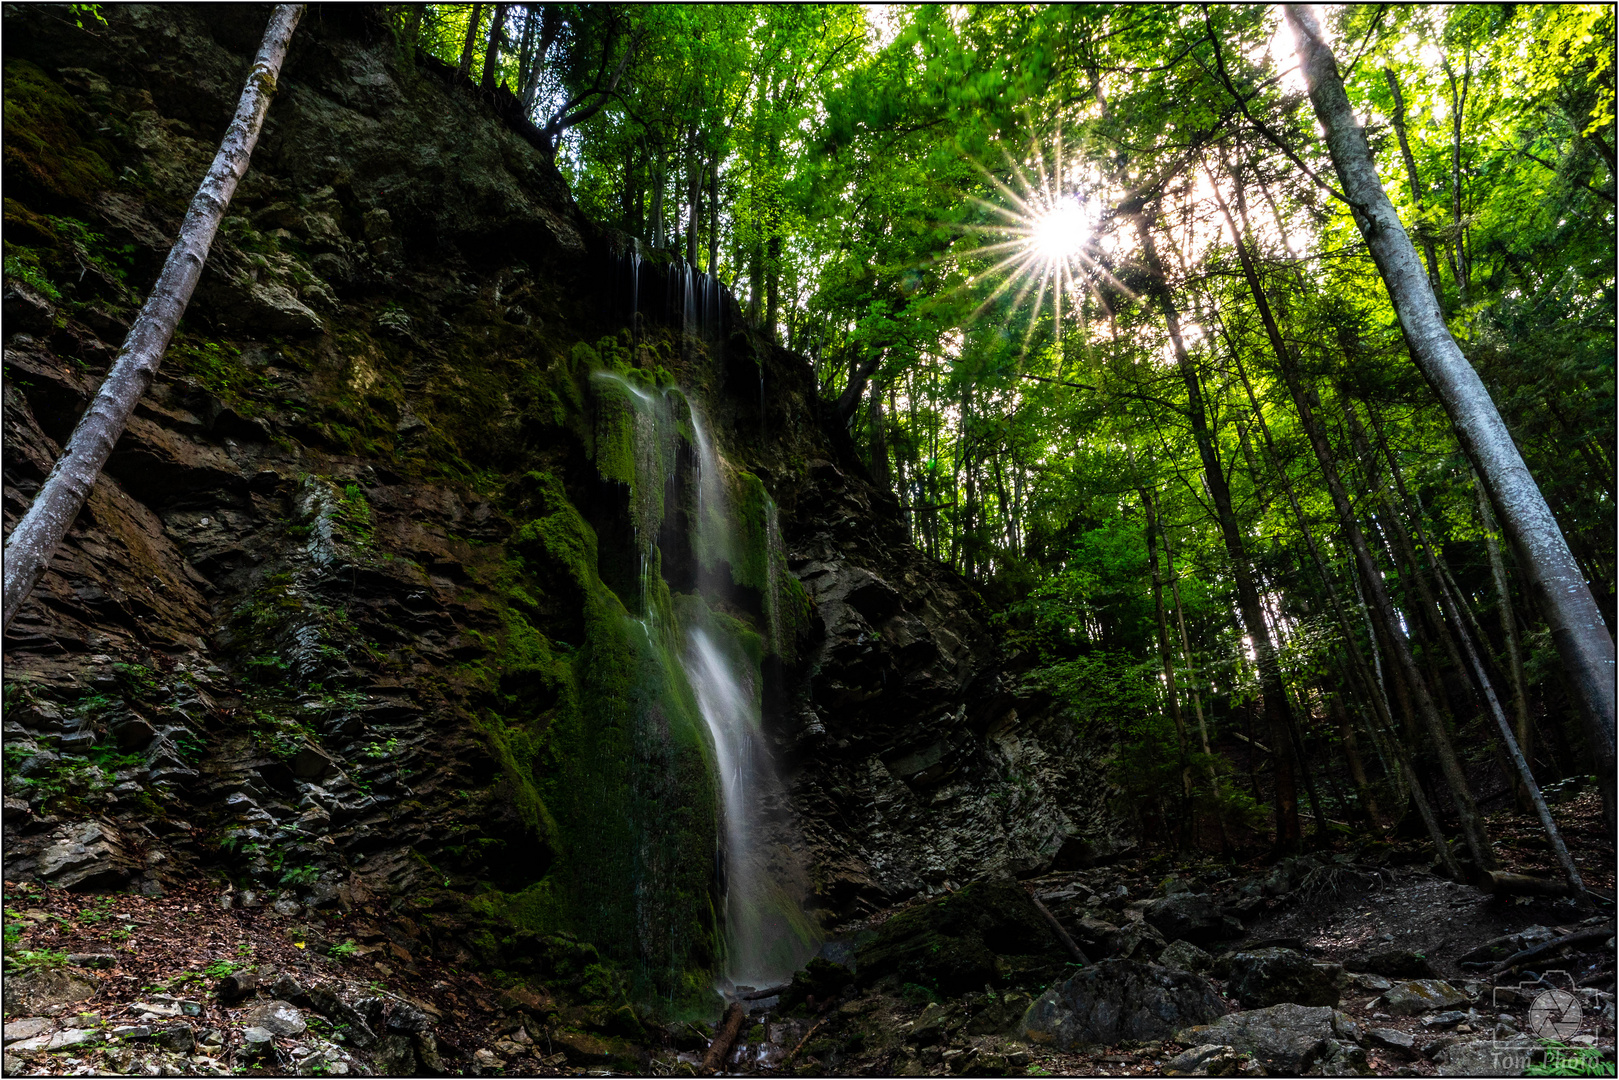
1062	935
1549	947
760	995
724	1037
1505	883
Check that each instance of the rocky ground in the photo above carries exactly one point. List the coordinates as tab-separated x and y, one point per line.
1358	961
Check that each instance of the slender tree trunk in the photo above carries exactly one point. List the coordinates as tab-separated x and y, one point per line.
878	444
1307	404
525	49
773	286
464	69
34	540
655	236
1560	589
1509	633
694	190
714	213
1288	834
491	55
1357	768
1434	280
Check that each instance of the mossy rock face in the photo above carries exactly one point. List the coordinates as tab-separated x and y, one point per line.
952	945
47	146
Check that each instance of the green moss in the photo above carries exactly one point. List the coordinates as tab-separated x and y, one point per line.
48	139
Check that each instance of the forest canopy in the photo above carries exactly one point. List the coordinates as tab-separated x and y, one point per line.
1084	286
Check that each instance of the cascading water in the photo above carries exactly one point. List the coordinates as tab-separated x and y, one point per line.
761	882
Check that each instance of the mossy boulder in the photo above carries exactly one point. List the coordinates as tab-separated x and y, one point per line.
956	943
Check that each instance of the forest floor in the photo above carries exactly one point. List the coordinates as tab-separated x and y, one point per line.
187	984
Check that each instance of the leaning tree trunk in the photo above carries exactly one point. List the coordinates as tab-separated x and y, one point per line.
32	543
1560	588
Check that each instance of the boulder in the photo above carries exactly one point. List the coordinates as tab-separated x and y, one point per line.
35	991
1286	1039
1276	976
325	1000
1120	1000
820	978
1185	956
278	1017
1393	1039
1488	1057
1412	996
1193	917
950	944
1394	964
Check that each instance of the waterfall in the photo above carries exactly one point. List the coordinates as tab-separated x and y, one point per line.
761	883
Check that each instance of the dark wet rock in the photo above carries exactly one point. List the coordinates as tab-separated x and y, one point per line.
1194	917
1286	1039
25	309
951	944
1274	976
407	1018
1121	1000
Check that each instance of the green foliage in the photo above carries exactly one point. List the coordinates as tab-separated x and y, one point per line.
24	960
344	950
1564	1060
25	271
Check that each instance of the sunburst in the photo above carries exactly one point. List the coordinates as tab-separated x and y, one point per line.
1045	237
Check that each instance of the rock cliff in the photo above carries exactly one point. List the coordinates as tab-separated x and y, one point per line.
347	612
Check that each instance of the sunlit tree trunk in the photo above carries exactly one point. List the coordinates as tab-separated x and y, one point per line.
1434	280
1164	653
34	540
1560	588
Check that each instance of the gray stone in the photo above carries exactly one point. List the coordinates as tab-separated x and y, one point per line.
1392	1039
1210	1059
1274	976
1119	1000
237	985
394	1055
26	1028
287	907
407	1018
326	1001
287	988
278	1017
92	960
257	1043
1185	956
1487	1057
1413	996
36	991
180	1038
1395	964
1286	1039
1193	917
59	1040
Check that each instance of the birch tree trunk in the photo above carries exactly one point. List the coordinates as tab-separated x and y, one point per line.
32	543
1560	588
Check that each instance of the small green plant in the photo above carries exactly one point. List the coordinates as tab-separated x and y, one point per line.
301	875
379	750
35	960
1562	1060
99	912
31	276
1036	1070
344	950
221	968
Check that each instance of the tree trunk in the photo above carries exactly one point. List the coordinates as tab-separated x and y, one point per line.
714	214
1434	280
550	25
1307	403
1162	624
724	1037
659	179
1509	632
878	443
1560	589
409	36
1288	835
464	69
34	540
773	287
491	55
694	190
